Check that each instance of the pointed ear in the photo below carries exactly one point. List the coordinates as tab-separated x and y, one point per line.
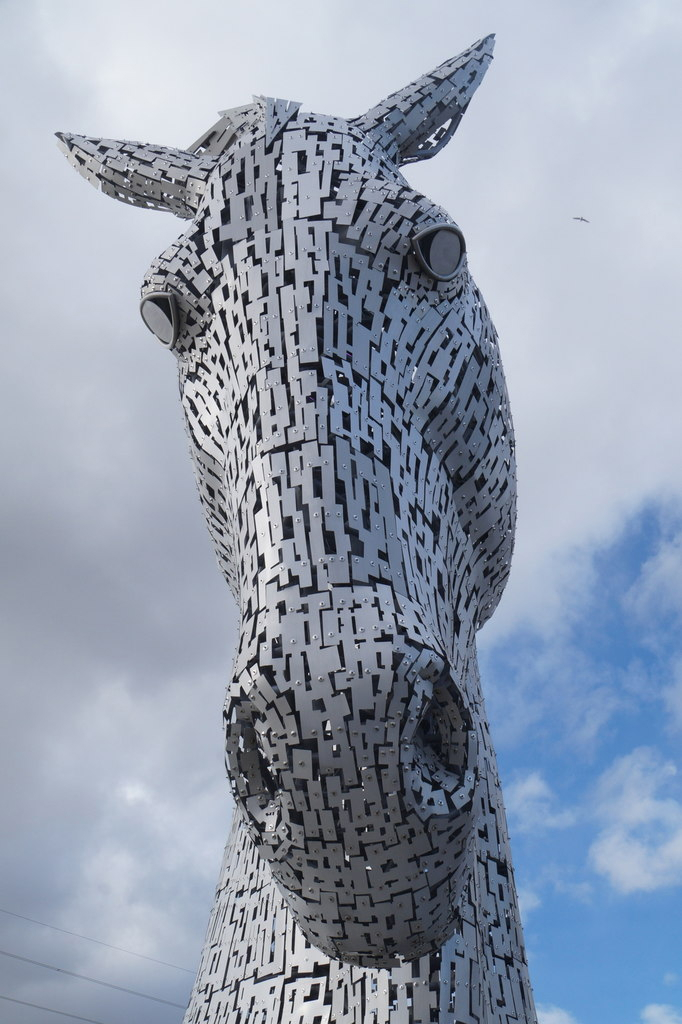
416	122
154	177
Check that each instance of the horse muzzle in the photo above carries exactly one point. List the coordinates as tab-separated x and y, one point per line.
355	768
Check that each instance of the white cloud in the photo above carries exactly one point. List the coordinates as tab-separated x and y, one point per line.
658	591
672	697
659	1013
581	892
528	901
639	847
556	683
530	803
554	1015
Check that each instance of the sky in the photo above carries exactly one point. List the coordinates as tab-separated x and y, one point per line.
117	628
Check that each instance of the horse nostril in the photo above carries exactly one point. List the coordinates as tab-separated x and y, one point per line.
432	734
252	777
444	731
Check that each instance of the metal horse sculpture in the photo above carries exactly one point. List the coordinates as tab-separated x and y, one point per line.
352	441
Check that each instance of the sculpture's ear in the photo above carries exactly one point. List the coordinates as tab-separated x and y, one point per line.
154	177
420	119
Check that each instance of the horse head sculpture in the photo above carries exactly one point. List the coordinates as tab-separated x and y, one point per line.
351	436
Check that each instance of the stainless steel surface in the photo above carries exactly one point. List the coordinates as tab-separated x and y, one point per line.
354	453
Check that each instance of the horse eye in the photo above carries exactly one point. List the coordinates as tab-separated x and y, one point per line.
159	310
440	250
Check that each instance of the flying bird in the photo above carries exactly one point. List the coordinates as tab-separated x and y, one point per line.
583	219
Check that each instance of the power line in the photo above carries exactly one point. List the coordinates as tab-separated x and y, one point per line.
95	981
99	942
48	1009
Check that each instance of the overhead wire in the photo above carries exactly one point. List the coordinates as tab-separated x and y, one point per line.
48	1009
99	942
94	981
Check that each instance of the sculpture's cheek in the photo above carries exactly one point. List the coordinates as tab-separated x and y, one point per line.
205	418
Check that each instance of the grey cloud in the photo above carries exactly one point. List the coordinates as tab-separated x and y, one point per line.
117	625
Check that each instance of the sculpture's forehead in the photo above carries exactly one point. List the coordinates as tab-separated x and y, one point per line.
305	146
